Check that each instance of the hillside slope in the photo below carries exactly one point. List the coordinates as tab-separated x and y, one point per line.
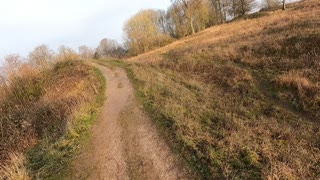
241	100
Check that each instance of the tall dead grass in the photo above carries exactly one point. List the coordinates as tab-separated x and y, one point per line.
15	169
37	104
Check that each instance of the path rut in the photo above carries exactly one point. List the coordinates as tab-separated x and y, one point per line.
124	143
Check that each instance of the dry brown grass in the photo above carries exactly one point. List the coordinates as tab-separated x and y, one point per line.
230	132
40	104
272	44
15	168
241	99
295	81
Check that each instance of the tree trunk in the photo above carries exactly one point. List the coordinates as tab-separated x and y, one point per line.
191	25
234	8
284	5
220	12
243	12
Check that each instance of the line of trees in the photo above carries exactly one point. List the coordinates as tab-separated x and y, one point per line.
42	57
149	29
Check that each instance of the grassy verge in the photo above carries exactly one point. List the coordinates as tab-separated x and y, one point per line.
47	115
167	127
51	157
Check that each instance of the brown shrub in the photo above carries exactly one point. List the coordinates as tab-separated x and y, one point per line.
39	104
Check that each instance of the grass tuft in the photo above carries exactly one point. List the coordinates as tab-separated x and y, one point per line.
15	169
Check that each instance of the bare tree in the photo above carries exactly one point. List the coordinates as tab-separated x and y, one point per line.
239	7
41	56
187	9
143	32
85	52
189	16
270	3
66	53
217	14
12	64
163	21
107	47
178	27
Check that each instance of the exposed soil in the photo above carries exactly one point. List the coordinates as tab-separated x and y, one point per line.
125	144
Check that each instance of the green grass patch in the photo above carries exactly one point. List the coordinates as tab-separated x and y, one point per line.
112	64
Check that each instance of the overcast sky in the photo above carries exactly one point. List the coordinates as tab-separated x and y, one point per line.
25	24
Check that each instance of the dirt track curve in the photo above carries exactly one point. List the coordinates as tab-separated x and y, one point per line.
124	143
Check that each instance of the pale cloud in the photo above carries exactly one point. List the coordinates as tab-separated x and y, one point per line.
25	24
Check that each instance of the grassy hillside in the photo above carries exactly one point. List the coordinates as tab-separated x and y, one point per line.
241	100
44	116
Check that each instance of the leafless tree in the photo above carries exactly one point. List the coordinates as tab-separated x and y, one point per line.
143	32
283	4
107	47
270	3
66	53
41	56
12	64
85	52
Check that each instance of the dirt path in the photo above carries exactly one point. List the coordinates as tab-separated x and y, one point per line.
125	144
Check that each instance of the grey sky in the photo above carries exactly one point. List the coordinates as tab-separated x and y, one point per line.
25	24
